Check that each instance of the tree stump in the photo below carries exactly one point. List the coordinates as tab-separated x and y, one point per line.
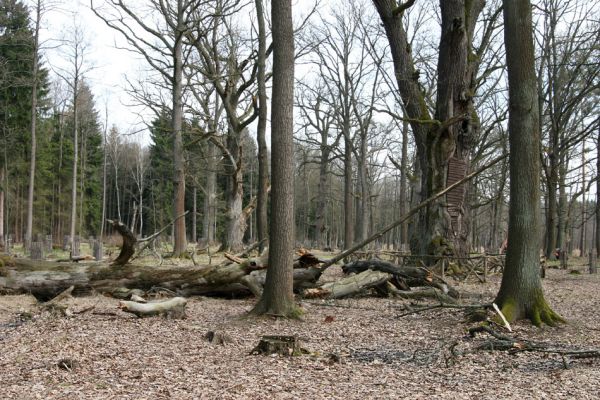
36	251
75	248
129	241
593	263
283	345
98	250
48	243
563	259
218	338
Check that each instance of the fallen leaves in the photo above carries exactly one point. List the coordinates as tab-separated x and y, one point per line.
358	351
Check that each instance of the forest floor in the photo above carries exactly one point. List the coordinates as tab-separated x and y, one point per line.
360	348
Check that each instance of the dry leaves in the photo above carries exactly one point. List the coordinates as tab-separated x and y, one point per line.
359	350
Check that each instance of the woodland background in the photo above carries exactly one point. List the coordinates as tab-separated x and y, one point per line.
355	156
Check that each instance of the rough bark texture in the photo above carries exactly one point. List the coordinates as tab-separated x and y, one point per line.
278	297
2	184
180	244
34	85
521	294
349	286
129	241
46	279
438	140
597	244
263	165
233	239
75	149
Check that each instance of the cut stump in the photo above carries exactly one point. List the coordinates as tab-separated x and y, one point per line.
282	345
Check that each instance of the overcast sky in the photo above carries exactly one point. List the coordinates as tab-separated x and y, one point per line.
108	64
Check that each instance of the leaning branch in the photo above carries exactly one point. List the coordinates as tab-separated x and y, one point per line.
409	214
151	238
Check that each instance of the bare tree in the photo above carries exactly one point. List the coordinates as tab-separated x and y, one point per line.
567	76
161	45
76	51
233	75
263	168
317	115
278	296
448	137
39	8
521	294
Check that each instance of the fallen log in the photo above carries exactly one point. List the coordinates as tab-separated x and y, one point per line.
46	279
172	308
348	286
403	276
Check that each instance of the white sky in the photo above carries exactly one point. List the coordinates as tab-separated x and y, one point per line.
109	64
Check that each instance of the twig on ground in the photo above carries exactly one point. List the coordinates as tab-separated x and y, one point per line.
442	305
506	324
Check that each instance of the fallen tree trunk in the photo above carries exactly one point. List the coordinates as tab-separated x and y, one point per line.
349	285
45	279
404	276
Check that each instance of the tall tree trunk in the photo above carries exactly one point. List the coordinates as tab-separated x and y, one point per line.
233	237
194	214
442	226
321	193
180	241
2	185
104	157
209	207
403	183
75	160
278	296
521	294
34	83
364	201
597	244
208	232
263	167
562	241
551	209
583	186
348	195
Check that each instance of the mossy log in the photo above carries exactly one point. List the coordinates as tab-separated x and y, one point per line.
45	279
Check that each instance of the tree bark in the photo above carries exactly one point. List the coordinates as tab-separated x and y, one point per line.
451	133
521	294
75	157
263	167
278	297
34	86
2	184
180	240
46	279
597	244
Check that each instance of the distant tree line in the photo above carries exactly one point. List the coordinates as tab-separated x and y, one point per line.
374	134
